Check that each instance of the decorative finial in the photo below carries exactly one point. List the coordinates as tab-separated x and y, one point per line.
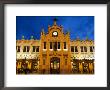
32	37
42	31
68	32
22	37
55	20
86	37
77	38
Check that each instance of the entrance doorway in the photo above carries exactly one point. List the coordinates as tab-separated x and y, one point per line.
55	65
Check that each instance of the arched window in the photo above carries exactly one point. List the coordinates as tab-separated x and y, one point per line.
44	45
64	45
50	45
58	45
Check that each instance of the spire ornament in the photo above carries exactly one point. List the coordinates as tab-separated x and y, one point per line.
42	32
55	21
32	37
23	37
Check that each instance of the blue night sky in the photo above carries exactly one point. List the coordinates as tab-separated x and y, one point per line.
78	26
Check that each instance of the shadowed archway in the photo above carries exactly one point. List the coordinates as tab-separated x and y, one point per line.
54	65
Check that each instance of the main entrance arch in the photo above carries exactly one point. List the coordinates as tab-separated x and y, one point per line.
55	65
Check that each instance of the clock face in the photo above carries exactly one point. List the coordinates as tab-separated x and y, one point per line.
55	33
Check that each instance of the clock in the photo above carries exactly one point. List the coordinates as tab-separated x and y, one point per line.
55	33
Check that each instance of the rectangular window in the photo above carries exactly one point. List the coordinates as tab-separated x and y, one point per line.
28	48
24	49
81	48
85	49
50	45
55	46
64	45
18	48
44	45
72	48
34	48
58	45
76	50
37	48
91	49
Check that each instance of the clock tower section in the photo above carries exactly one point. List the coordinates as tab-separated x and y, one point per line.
55	57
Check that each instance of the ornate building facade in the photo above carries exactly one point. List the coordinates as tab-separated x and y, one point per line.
54	53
